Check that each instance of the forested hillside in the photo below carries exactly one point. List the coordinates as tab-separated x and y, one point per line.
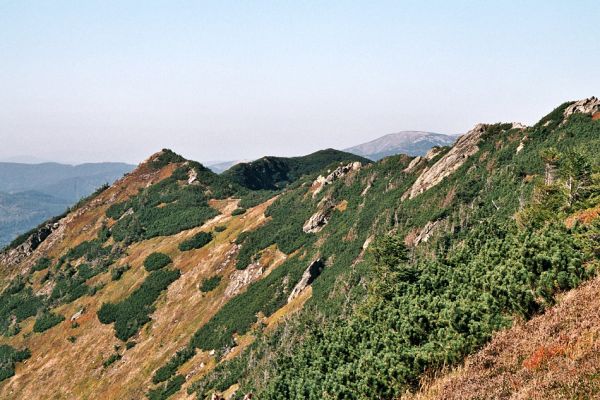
326	276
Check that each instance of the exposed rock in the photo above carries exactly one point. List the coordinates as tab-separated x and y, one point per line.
521	145
427	232
319	219
585	106
78	314
192	176
518	125
413	164
369	184
241	278
229	256
432	153
16	255
336	174
310	274
216	396
466	146
368	242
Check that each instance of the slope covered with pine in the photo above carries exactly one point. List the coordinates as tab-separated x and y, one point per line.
338	278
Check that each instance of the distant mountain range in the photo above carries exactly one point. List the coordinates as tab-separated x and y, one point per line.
413	143
32	193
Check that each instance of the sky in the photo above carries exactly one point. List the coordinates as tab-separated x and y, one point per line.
87	81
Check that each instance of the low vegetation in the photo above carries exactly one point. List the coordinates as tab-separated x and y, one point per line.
8	358
210	284
133	312
46	321
197	241
156	261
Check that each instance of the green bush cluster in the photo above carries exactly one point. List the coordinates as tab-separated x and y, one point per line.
156	261
113	358
42	264
210	284
238	211
17	303
167	207
133	312
118	272
9	356
429	313
46	321
197	241
163	392
168	370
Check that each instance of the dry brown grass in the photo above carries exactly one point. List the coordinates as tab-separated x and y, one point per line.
59	369
553	356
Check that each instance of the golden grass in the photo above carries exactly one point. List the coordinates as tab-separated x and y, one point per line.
59	369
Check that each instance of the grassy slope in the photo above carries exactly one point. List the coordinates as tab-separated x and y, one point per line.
60	369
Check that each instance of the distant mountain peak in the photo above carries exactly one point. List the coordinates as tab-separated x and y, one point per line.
413	143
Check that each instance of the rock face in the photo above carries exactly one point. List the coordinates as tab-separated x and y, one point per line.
192	176
427	232
585	106
319	219
336	174
240	279
14	256
466	146
414	163
310	274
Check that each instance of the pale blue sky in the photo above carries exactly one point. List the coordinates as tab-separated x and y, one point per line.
118	80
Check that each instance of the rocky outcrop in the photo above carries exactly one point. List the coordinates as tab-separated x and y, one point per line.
310	274
239	279
414	163
466	146
319	219
336	174
585	106
192	176
16	255
427	232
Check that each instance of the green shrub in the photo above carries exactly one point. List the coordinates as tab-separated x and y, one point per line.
8	358
220	228
118	272
210	283
46	321
156	261
133	312
168	370
111	360
238	211
199	240
42	264
164	391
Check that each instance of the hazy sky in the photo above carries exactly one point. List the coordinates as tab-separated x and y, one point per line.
118	80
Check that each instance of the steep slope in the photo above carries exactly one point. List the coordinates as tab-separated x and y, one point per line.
274	173
179	283
413	143
553	356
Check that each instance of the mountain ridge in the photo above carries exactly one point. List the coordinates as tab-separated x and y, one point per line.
287	281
